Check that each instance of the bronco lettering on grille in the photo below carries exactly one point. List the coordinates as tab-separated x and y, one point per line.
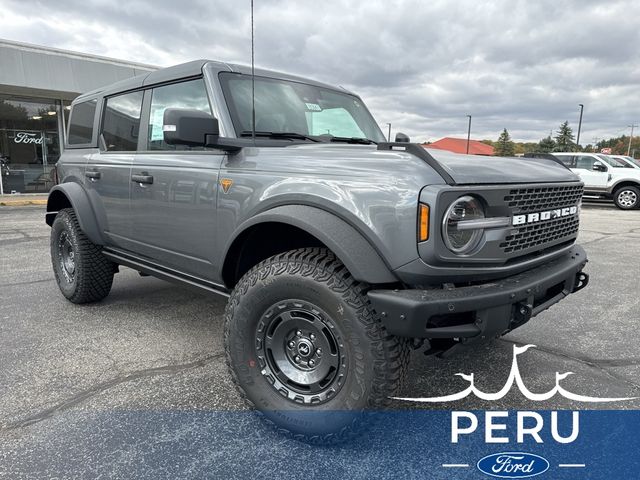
542	216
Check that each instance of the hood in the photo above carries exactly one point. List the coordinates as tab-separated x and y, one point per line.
477	169
406	160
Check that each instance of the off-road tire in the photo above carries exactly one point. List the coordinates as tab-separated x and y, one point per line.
627	198
376	362
92	273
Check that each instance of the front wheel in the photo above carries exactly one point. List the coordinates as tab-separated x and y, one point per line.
627	198
305	347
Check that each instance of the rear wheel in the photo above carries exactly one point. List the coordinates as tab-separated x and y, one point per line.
83	274
305	347
627	198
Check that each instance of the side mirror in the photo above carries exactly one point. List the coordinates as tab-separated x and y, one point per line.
599	167
188	127
402	138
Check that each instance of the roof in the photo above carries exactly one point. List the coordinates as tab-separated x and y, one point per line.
193	68
459	145
182	70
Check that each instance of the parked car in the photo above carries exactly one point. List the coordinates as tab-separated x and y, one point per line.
634	162
605	177
337	250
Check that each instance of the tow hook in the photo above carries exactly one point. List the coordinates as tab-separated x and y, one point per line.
522	314
582	280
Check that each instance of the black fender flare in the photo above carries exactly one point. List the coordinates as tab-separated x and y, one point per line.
79	200
362	260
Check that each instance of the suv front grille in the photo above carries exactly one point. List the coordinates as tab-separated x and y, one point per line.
535	199
540	234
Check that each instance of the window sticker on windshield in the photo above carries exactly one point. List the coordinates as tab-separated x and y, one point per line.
314	107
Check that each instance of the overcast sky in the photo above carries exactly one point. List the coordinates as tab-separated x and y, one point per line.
423	66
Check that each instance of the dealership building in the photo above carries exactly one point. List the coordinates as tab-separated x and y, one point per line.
37	85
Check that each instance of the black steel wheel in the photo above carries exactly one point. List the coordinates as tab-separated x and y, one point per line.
301	351
83	274
66	257
305	347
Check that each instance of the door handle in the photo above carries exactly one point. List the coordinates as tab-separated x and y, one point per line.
148	179
92	175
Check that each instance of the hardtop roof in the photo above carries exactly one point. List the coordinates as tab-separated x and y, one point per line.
192	69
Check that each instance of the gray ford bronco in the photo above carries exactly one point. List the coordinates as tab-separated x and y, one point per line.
338	251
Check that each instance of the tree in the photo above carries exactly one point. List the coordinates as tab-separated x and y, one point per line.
504	147
546	145
619	145
564	139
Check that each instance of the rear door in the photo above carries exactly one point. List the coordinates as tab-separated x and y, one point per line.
174	188
108	171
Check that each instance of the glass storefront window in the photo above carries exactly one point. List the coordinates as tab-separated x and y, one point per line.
29	143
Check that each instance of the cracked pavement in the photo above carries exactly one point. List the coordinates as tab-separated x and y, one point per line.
98	390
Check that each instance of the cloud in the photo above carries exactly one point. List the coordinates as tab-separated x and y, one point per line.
423	66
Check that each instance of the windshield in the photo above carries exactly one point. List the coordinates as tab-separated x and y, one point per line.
285	107
614	162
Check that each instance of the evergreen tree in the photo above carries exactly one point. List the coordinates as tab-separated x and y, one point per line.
546	145
564	139
504	147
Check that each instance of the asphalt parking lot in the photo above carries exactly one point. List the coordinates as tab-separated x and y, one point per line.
136	386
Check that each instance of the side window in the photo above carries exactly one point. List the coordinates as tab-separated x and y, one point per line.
121	122
585	162
190	95
568	160
334	121
81	123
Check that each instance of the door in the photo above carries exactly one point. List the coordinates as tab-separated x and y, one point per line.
594	180
108	172
174	188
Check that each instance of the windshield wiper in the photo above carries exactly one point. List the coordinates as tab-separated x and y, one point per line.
359	140
292	135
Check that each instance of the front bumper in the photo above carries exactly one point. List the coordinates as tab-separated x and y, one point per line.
480	312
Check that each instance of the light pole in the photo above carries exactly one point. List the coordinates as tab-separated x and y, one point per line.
389	135
468	134
630	138
579	125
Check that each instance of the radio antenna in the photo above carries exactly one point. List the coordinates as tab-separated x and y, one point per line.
253	84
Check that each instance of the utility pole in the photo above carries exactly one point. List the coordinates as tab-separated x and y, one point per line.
389	136
630	138
579	125
468	134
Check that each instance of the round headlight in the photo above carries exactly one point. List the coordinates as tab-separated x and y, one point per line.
464	239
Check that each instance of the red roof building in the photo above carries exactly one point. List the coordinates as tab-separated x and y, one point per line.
459	145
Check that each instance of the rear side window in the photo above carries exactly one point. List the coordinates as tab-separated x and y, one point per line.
190	95
81	123
121	123
568	160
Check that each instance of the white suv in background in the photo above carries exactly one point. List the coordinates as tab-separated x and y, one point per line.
605	177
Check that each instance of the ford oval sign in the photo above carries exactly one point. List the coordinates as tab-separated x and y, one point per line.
513	465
